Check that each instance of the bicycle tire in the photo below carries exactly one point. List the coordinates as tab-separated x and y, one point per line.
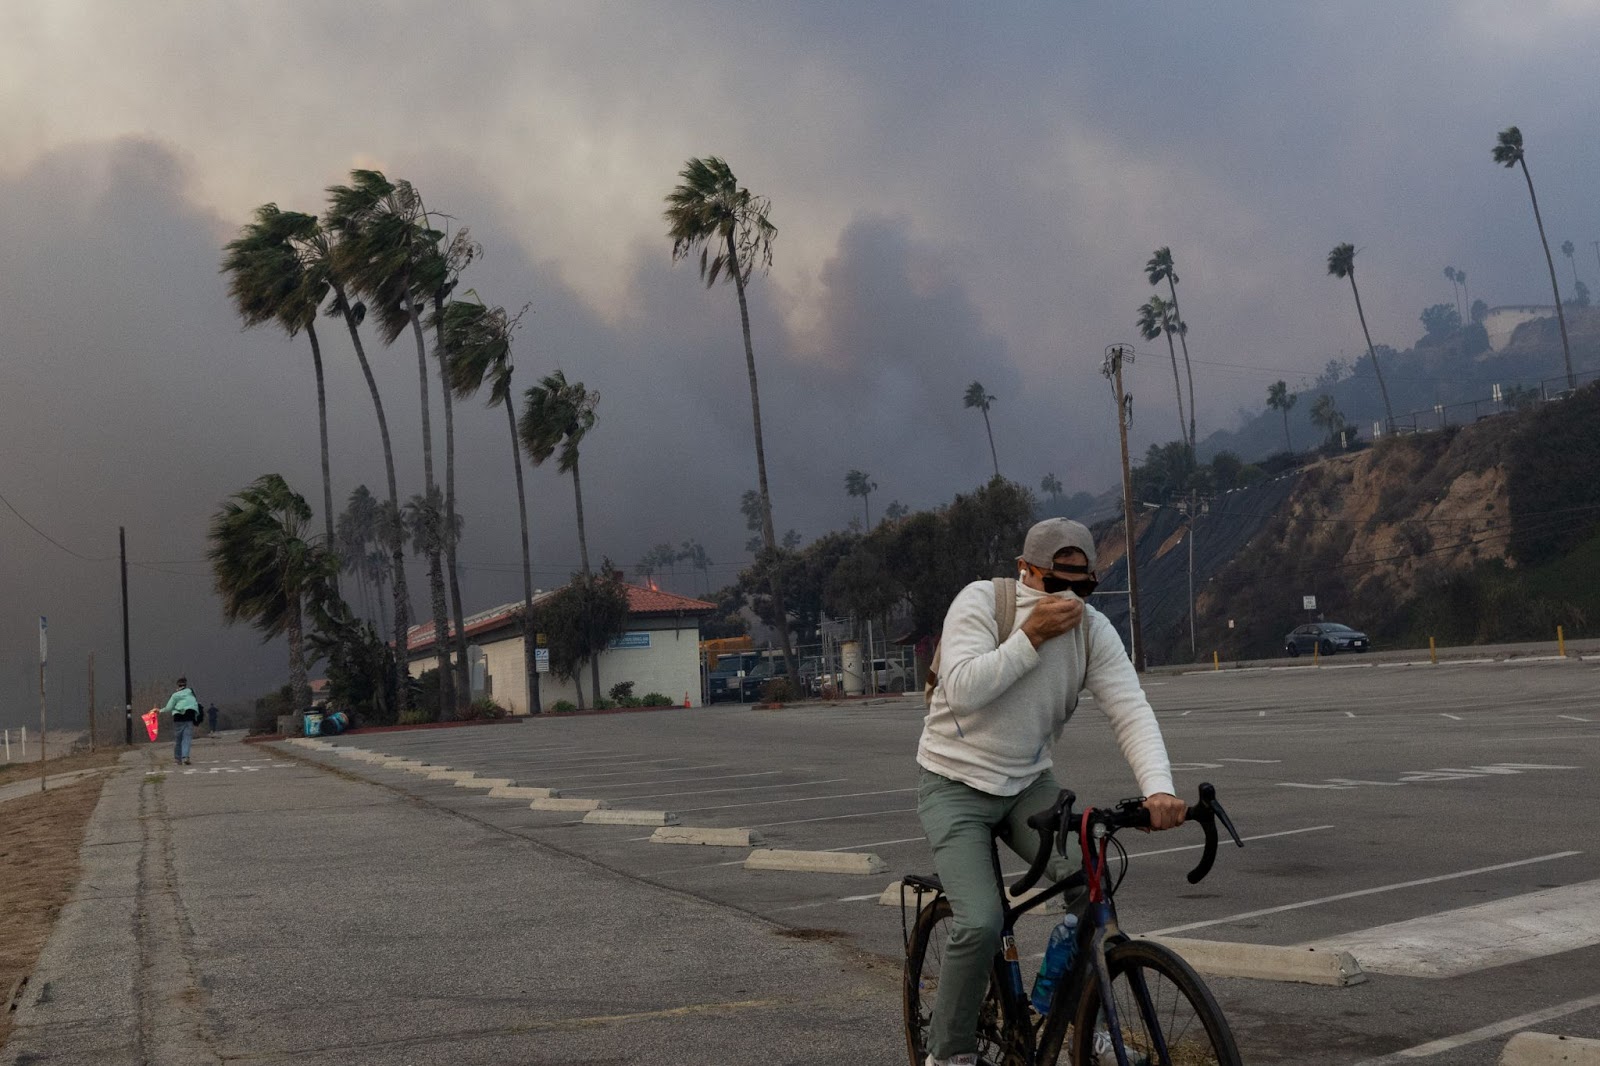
1194	1031
999	1042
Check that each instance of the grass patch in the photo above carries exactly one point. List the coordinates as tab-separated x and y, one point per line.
20	771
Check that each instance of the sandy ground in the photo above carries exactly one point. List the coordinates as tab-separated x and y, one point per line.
20	771
39	841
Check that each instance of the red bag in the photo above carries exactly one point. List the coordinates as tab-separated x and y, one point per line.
152	724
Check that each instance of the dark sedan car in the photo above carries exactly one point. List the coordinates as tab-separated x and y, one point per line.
1328	637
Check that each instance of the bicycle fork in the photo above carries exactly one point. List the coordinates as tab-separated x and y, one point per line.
1104	921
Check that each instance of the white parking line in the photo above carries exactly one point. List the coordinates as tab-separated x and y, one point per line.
1487	1032
879	844
1262	761
663	770
718	777
1457	717
796	799
1572	718
834	818
742	788
1360	892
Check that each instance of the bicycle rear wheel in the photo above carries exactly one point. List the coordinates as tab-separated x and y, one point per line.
1167	1015
999	1042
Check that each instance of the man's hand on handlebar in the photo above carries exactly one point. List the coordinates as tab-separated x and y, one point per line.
1166	810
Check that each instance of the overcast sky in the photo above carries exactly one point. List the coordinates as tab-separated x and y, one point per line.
961	191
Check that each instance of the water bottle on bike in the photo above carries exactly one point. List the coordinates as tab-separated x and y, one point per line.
1057	961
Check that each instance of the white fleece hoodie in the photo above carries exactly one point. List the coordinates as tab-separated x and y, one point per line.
1000	703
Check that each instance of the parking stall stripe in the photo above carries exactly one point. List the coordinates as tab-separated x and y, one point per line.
663	770
798	799
742	788
1487	1032
879	844
834	818
1360	892
718	777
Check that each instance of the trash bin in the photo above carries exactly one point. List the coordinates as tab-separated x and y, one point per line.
313	723
335	723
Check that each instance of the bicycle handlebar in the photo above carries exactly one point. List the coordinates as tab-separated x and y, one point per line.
1059	821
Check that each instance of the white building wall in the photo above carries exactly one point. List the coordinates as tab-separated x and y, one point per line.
669	664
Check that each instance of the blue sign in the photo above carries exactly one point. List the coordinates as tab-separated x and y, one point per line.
639	639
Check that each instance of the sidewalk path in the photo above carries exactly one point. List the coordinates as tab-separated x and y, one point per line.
291	914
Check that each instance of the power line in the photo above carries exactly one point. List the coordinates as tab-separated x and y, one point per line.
76	555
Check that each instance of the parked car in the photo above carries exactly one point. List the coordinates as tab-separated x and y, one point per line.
890	675
1326	637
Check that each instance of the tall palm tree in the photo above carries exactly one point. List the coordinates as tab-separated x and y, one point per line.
977	397
475	343
316	249
1508	153
1466	297
858	483
1455	289
383	245
267	567
426	523
1158	269
1280	399
1567	249
1050	485
559	413
1342	264
709	210
357	526
694	553
270	282
1155	318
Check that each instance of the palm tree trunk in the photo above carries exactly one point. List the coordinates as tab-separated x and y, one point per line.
1188	367
397	551
768	535
866	511
990	430
1388	412
435	542
1287	443
1172	353
298	685
529	646
1561	318
322	426
583	554
463	668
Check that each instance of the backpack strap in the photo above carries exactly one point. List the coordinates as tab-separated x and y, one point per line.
1005	606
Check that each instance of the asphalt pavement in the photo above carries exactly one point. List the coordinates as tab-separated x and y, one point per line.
298	906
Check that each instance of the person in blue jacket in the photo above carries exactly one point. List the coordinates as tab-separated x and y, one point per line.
185	711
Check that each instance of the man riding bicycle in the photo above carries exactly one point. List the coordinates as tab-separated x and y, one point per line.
998	703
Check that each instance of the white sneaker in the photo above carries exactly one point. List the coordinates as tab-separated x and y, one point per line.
1106	1055
969	1058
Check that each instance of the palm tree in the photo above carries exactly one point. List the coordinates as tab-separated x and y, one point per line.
1567	249
1326	415
1342	264
269	281
475	344
1158	269
1455	288
858	483
316	249
694	553
977	397
710	211
1466	297
1508	153
426	524
383	244
357	526
559	413
1155	318
267	569
1050	485
1279	398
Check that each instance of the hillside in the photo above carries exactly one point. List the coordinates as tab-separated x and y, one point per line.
1474	533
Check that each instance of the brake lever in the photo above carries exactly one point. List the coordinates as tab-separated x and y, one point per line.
1227	823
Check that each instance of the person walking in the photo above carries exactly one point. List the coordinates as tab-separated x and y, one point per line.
211	716
998	704
185	711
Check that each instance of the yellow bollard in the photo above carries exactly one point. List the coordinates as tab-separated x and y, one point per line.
1433	652
1561	642
1216	661
1316	653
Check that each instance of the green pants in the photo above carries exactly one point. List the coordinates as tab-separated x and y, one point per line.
960	822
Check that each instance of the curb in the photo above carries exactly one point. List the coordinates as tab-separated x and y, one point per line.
1546	1049
817	862
605	817
508	791
483	782
717	838
554	803
1265	962
451	775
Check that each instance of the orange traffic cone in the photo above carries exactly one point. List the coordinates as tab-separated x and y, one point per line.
686	702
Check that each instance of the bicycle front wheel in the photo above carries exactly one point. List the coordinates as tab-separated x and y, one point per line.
1167	1015
1000	1040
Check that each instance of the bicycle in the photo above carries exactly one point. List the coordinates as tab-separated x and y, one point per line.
1158	1013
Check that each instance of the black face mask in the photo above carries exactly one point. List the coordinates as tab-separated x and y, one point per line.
1083	588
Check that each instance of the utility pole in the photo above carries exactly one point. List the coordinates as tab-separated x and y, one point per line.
1116	354
44	654
1192	652
127	665
92	735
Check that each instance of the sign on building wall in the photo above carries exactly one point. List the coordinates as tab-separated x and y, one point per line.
541	660
635	639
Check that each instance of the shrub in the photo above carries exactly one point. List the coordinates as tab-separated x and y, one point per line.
621	691
415	716
603	704
778	690
655	699
482	707
563	707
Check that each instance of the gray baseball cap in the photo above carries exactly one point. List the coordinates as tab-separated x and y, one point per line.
1054	535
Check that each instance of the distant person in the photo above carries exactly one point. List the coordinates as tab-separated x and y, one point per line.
185	711
211	716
